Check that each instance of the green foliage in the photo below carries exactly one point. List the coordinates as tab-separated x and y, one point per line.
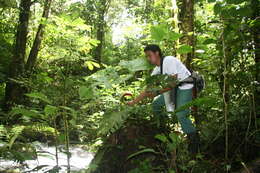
162	33
146	150
172	142
39	96
67	37
8	3
113	121
144	166
184	49
50	110
159	82
91	65
85	92
70	94
11	149
139	64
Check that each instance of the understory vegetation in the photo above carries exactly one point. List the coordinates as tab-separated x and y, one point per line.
65	64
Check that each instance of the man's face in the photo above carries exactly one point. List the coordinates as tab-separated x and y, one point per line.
152	57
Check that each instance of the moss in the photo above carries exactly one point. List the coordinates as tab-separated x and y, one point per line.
38	133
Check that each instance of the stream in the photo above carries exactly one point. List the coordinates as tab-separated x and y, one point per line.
79	161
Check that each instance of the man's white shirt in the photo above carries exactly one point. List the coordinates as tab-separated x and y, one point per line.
173	66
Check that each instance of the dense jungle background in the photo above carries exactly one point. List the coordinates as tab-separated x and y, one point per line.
64	65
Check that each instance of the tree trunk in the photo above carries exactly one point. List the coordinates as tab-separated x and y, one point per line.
38	38
100	36
175	25
13	90
225	92
186	18
101	23
256	39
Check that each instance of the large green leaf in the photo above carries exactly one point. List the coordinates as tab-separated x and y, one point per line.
25	112
50	110
175	140
136	65
85	92
15	131
161	32
91	65
173	36
113	120
161	137
158	32
107	77
146	150
184	49
40	96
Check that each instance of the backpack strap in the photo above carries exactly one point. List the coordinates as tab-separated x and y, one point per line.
188	80
161	65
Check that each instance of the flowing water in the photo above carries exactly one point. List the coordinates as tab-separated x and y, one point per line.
79	161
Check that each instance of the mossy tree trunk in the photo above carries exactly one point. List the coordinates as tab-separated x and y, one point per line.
13	90
102	8
38	38
186	19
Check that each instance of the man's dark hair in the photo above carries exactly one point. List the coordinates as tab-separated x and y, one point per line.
154	48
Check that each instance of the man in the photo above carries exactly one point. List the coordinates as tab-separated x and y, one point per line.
175	68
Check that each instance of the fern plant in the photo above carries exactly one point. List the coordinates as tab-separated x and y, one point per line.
113	120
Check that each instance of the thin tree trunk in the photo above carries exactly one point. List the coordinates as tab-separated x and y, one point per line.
175	24
255	4
38	38
101	24
13	90
100	36
186	18
225	92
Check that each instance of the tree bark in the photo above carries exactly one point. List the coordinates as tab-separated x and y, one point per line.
101	23
100	36
38	38
186	18
13	90
175	25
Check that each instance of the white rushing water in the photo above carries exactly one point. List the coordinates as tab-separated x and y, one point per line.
79	160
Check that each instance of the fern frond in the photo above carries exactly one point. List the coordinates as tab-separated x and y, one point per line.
112	121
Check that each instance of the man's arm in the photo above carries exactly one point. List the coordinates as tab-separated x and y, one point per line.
141	97
146	94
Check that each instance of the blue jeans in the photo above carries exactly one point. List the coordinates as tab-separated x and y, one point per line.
183	97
